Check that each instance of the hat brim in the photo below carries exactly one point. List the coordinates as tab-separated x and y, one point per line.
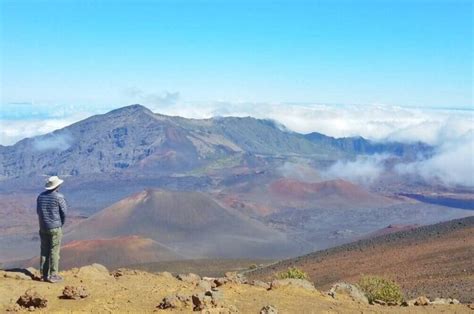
58	183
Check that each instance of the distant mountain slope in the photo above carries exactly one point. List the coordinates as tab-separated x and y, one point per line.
137	140
190	223
135	137
359	145
435	260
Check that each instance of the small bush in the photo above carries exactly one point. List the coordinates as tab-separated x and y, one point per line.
378	288
253	266
293	273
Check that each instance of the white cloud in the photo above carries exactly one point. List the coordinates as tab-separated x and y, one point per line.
375	122
453	163
53	141
299	171
11	131
363	170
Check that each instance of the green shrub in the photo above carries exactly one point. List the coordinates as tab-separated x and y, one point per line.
378	288
292	273
253	266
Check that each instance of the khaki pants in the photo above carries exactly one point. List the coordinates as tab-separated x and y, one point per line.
50	245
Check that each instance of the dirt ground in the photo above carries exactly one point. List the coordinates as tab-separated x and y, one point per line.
141	292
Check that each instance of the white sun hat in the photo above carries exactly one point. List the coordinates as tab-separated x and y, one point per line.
52	183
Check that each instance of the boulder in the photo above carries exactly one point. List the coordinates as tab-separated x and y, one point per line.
166	274
177	301
215	294
220	281
204	285
268	309
202	302
74	293
118	273
34	273
349	290
31	299
259	283
208	300
300	283
443	301
420	301
100	268
93	272
235	277
189	278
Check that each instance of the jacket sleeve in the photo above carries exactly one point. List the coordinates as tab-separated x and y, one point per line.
62	209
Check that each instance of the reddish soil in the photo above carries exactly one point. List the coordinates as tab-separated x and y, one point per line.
437	261
335	192
115	252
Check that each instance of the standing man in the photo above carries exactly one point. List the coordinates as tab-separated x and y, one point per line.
51	208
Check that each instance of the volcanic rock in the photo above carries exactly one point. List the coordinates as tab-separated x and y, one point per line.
443	301
177	301
349	290
421	301
190	278
75	293
259	283
31	299
204	285
268	309
93	272
301	283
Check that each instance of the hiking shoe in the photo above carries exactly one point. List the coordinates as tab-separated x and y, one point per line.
55	278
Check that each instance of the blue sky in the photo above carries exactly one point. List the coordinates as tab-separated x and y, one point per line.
112	53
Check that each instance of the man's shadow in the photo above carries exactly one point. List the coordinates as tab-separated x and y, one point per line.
23	271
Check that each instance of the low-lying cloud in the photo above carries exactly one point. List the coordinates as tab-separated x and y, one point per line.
452	165
299	171
16	130
53	141
364	170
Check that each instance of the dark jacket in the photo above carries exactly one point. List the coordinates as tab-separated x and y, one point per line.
51	208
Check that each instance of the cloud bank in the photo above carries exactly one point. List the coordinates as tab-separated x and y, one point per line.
364	170
452	165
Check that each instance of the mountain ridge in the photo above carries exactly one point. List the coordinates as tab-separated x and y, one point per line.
133	137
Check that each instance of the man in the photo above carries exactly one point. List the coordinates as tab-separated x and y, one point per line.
51	208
